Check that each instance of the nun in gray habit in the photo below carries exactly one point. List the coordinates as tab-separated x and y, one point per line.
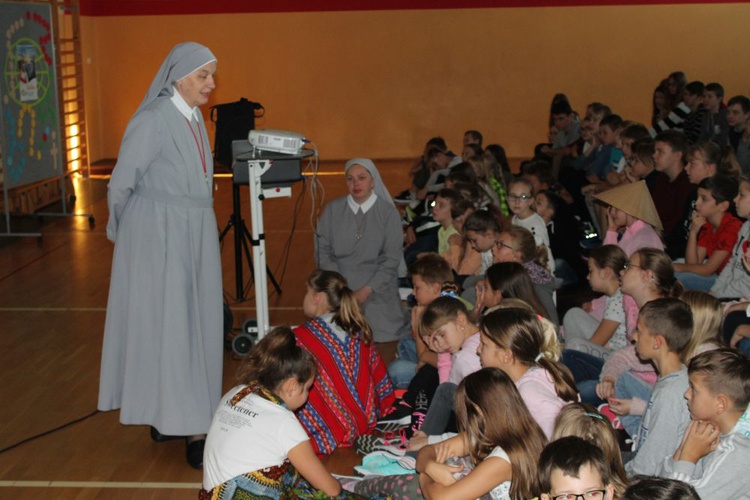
162	354
360	236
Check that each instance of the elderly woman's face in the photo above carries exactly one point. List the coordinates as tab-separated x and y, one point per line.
360	183
197	86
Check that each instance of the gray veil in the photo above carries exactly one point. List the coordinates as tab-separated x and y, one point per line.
183	59
380	188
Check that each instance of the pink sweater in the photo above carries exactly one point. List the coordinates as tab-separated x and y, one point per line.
540	395
454	367
636	236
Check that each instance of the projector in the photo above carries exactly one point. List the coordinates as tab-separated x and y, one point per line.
277	141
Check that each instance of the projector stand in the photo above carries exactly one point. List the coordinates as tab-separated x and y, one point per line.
257	194
242	241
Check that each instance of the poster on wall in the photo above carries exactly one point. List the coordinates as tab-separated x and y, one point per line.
29	112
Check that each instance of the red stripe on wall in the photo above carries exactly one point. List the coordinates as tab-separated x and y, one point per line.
175	7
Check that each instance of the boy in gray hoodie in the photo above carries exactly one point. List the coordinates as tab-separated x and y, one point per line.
664	329
715	449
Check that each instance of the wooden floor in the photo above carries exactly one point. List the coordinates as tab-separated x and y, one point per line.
53	296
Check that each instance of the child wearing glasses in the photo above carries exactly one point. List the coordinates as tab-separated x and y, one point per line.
572	468
521	203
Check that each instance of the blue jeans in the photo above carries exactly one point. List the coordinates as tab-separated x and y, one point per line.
731	322
565	272
402	369
586	370
629	386
692	281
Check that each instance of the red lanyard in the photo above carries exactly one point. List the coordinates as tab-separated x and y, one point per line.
198	143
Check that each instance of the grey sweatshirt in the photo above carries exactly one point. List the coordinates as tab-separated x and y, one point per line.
720	474
663	424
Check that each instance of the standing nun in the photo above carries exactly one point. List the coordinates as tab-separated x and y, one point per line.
162	354
360	236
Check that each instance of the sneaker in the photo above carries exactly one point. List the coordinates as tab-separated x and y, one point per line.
611	416
366	443
401	414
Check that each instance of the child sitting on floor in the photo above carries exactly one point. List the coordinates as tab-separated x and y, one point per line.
256	446
600	337
514	341
572	468
516	244
495	454
352	389
584	421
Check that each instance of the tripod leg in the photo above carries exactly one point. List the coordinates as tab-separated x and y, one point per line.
248	237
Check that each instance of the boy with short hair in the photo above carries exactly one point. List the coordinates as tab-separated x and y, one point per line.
738	117
428	273
713	101
574	466
714	452
567	125
664	329
472	137
713	233
673	194
697	126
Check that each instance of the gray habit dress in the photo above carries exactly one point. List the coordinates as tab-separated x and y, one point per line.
163	347
370	260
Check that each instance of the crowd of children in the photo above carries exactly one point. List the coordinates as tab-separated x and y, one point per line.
641	393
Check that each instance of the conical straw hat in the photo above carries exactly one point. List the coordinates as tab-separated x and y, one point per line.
633	199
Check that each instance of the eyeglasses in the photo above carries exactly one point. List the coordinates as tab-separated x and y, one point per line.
500	245
589	495
628	265
523	197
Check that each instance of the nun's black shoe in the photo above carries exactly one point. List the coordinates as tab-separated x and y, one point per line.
194	453
160	438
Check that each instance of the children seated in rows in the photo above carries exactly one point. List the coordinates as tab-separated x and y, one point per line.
495	453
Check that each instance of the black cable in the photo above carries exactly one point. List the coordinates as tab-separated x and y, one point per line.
32	438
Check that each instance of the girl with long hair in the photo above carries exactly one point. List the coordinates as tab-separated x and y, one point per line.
513	340
256	446
495	453
352	389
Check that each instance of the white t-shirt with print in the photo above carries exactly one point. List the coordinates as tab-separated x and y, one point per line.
252	435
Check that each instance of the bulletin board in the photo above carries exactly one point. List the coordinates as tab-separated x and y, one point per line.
29	109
